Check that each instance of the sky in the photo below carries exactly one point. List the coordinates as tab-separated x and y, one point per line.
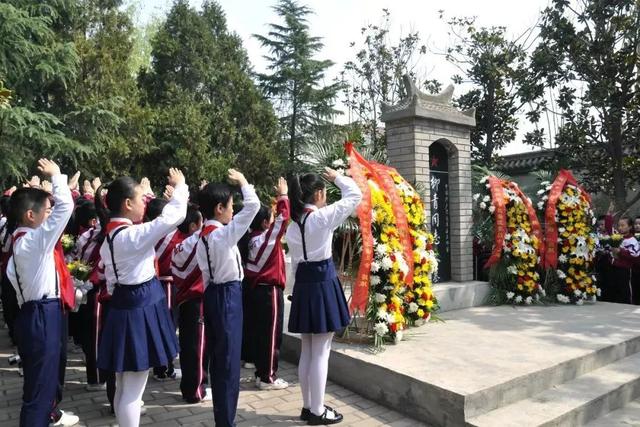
339	23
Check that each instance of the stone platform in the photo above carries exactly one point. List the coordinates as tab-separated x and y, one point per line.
501	366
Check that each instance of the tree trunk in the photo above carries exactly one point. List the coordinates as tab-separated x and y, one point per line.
292	127
619	185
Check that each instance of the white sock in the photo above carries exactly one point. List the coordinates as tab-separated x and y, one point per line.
127	401
320	351
303	369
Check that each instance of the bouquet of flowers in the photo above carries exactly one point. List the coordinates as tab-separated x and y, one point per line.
80	271
570	239
68	243
613	241
517	243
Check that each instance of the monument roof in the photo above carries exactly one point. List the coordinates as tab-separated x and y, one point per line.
526	162
419	104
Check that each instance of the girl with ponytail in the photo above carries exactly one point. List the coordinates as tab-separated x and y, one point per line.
318	305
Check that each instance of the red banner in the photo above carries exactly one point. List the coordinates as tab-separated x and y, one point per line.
402	223
551	228
357	169
500	216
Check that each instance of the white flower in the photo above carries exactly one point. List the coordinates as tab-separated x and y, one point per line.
540	192
545	183
540	205
391	318
338	163
488	185
561	274
398	337
381	314
562	258
563	299
518	299
413	307
528	300
598	292
543	292
380	298
512	269
340	171
484	179
492	209
476	196
577	292
386	263
486	198
510	295
483	205
580	302
561	229
375	267
593	278
375	280
545	197
382	249
381	329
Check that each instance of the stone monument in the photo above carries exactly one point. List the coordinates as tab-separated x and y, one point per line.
428	143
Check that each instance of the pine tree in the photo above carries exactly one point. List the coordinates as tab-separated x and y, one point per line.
208	113
295	79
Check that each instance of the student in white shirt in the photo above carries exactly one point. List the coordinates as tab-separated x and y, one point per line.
36	277
318	304
222	273
138	332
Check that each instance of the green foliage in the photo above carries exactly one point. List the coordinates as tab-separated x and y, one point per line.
294	82
375	75
37	63
589	55
208	115
496	66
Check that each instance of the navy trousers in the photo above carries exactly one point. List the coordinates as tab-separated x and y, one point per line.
223	325
39	327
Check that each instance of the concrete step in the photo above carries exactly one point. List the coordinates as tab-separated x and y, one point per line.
573	403
628	415
459	295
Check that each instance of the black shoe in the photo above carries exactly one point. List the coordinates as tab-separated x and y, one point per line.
304	415
319	420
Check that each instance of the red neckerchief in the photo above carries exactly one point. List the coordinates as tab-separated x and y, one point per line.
208	229
112	225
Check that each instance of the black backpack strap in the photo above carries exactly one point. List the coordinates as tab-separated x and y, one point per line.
15	268
110	243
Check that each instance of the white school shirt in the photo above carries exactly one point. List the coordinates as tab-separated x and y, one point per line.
3	228
134	246
318	230
183	259
86	243
226	264
33	252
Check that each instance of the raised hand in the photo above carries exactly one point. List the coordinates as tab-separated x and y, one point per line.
168	192
146	186
203	183
10	191
73	181
281	187
34	182
87	188
46	186
176	177
330	174
237	178
96	183
48	168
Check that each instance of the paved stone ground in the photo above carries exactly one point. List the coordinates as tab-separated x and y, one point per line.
166	408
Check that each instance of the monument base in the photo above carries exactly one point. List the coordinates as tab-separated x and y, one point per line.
500	366
458	295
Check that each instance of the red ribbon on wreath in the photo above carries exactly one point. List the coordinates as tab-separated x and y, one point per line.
500	216
551	228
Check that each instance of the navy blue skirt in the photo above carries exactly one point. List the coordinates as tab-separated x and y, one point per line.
318	304
138	332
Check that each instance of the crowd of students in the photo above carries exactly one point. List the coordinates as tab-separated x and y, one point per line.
177	274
